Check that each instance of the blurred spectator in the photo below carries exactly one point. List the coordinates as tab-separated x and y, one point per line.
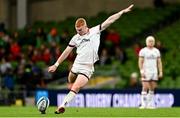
20	70
136	48
112	40
30	50
54	54
113	37
5	37
15	50
46	56
134	82
4	66
6	74
29	37
2	52
38	80
41	33
42	48
120	55
104	57
40	37
36	56
16	36
9	79
46	75
65	36
53	36
4	40
28	77
161	47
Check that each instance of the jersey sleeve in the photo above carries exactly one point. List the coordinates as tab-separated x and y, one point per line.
158	53
96	29
72	42
141	53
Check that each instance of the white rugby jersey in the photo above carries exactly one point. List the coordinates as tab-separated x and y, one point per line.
87	46
150	59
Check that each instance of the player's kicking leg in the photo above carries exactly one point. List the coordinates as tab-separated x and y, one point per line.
80	82
71	79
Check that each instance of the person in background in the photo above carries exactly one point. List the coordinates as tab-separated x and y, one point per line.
150	67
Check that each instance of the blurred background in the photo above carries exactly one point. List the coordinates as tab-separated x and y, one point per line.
34	33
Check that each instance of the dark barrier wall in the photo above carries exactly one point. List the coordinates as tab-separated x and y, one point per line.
111	98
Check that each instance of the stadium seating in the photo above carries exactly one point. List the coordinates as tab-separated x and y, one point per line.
132	28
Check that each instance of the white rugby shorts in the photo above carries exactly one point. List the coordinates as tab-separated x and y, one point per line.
84	69
150	77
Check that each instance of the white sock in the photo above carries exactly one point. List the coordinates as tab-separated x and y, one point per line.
144	98
68	98
151	98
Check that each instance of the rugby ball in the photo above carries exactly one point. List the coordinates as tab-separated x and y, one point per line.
43	104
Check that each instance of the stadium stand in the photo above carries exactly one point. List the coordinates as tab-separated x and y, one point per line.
28	52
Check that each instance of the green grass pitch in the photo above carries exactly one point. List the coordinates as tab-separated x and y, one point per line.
13	111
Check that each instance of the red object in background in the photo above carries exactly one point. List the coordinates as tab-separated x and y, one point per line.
36	56
53	32
137	48
15	50
114	37
46	56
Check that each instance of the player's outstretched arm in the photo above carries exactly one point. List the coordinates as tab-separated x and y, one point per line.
114	17
63	56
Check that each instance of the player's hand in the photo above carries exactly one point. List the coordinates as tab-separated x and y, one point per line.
142	73
52	68
160	74
128	9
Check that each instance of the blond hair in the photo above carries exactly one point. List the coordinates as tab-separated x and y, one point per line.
80	22
150	38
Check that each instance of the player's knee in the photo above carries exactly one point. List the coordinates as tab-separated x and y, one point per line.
154	87
69	85
145	88
75	88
